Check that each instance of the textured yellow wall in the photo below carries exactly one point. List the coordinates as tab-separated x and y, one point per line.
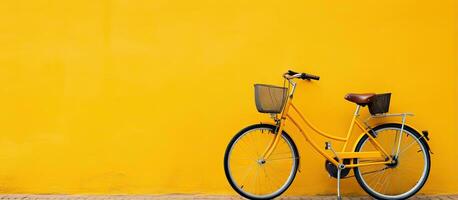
143	96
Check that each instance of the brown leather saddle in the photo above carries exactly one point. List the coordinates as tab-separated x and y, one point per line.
360	99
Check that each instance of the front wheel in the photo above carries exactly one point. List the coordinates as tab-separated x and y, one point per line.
250	175
409	171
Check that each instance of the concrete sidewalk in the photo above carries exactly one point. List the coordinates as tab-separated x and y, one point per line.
179	196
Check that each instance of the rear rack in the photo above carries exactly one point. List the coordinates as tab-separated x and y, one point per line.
382	115
390	115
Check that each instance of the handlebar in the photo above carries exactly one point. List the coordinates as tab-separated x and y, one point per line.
292	74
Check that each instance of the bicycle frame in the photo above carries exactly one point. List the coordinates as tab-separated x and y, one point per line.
384	157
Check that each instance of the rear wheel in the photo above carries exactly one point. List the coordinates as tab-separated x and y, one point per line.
250	175
409	171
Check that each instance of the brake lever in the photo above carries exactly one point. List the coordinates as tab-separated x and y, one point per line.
291	73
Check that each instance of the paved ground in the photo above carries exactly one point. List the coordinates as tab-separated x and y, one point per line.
185	197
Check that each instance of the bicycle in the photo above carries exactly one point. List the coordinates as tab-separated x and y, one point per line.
261	160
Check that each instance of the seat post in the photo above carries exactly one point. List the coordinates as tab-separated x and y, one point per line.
357	110
352	124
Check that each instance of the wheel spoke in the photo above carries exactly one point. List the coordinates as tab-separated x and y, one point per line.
246	175
408	146
256	181
244	148
274	159
267	177
393	148
385	185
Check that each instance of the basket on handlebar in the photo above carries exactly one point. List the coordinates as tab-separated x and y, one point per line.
269	98
380	104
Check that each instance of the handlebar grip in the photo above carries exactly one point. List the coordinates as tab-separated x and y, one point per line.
304	75
310	76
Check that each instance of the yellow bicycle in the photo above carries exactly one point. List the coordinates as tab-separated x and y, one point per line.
390	160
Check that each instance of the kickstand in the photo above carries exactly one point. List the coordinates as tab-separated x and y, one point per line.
338	183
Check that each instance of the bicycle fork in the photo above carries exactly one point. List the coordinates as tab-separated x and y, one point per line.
273	144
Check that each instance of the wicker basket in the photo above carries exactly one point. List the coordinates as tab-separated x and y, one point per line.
269	98
380	104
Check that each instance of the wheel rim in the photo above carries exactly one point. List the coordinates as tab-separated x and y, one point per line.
259	178
402	178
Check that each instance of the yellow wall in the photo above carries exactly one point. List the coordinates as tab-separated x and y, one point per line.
143	96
